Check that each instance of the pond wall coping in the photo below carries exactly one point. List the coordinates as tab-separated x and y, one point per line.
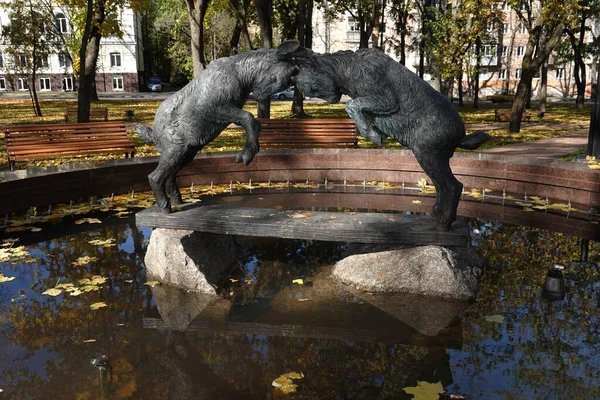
560	181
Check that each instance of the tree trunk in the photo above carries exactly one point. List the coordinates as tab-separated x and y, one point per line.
460	90
477	68
240	8
264	14
544	88
196	14
87	60
577	45
529	67
520	100
304	29
235	39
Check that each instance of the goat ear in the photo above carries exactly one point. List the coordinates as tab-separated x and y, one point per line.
292	51
288	47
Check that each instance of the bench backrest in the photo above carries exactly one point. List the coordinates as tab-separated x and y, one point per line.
308	132
95	112
36	133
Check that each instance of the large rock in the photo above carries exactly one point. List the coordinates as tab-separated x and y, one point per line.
428	270
194	261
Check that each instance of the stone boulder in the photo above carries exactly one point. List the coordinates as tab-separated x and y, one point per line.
427	270
194	261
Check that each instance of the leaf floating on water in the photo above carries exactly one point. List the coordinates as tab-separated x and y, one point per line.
285	382
425	390
90	288
90	341
88	220
34	229
128	280
499	319
301	215
4	278
65	286
294	375
152	283
85	260
75	292
53	292
98	305
298	281
103	243
303	299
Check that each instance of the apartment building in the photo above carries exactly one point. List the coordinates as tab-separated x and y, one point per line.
501	58
120	61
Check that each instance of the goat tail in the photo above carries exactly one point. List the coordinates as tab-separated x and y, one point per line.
474	140
145	133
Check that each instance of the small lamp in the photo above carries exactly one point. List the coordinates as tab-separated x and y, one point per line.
554	284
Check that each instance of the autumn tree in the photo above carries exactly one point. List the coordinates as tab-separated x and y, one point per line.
578	30
455	28
545	21
400	12
32	38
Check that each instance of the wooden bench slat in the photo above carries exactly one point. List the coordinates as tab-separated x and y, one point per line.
33	149
83	153
95	113
37	141
63	137
291	133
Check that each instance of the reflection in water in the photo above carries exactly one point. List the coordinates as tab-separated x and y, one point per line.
511	343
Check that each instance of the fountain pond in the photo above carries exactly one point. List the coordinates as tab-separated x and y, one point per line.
80	321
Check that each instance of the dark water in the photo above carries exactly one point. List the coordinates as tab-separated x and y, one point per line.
510	344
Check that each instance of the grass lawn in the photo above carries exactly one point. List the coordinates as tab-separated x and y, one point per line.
20	111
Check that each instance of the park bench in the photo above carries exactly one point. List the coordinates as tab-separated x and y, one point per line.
100	113
42	141
292	133
504	115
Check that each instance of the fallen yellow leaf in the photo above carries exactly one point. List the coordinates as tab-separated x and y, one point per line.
152	283
298	281
53	292
98	305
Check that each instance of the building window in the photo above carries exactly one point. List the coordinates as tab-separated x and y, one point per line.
483	74
117	83
506	7
20	60
489	50
504	51
2	83
521	51
505	28
42	62
537	75
490	26
560	74
67	83
1	60
353	25
115	59
22	84
502	74
64	61
45	83
61	23
523	29
518	73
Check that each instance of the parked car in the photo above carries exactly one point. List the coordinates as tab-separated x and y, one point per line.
287	94
155	84
180	80
501	97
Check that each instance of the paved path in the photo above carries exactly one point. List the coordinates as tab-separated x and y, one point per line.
544	148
